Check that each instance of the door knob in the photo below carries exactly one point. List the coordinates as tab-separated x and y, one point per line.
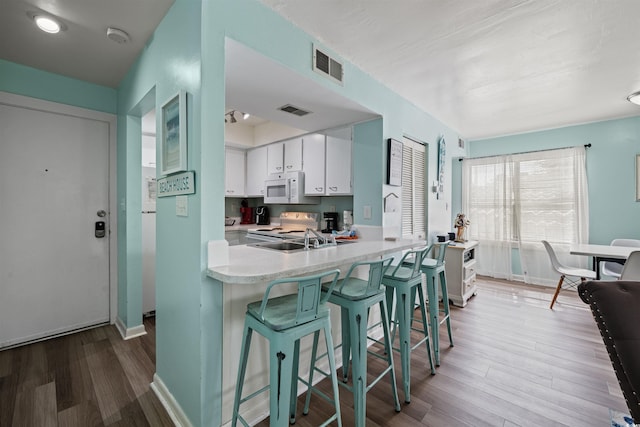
101	213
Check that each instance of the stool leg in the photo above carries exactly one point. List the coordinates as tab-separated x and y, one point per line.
389	291
404	305
332	368
281	357
294	383
432	295
425	327
244	355
346	343
387	346
445	304
314	352
358	331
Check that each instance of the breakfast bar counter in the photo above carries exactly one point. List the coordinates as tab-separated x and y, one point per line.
243	279
249	264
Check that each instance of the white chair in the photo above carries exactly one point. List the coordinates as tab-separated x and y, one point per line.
614	269
566	271
631	269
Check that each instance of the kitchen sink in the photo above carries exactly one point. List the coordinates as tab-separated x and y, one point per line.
289	246
286	246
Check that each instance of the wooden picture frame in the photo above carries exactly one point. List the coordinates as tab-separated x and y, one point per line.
173	144
394	162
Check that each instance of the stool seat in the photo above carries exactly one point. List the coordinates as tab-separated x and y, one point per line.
402	282
280	312
355	297
283	321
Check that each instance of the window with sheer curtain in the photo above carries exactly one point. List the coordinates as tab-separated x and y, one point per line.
413	190
515	201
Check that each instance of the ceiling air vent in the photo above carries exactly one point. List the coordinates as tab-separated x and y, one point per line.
326	65
293	110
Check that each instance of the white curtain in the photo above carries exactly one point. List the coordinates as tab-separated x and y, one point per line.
515	201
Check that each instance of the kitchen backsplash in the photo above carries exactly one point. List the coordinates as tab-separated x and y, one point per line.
327	204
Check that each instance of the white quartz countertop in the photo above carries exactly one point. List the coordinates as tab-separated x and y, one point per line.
249	264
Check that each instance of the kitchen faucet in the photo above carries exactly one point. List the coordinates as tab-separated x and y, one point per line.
316	244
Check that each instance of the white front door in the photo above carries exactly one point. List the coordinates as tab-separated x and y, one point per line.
54	184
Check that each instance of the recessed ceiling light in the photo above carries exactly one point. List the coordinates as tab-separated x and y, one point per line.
47	24
634	98
118	35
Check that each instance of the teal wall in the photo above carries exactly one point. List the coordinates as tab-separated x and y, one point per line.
613	210
27	81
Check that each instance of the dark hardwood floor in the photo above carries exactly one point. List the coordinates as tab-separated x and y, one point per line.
515	363
90	378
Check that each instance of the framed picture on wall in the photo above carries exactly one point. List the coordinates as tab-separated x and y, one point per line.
394	162
173	147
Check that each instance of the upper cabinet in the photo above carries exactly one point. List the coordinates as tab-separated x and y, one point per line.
313	162
234	174
338	166
257	171
285	156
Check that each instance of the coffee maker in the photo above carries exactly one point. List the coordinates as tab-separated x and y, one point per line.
262	215
331	219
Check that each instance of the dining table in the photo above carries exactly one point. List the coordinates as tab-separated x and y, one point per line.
599	253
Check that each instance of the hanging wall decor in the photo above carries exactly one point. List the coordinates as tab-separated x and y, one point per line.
173	148
441	158
394	162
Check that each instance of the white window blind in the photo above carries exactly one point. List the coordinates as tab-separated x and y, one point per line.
413	190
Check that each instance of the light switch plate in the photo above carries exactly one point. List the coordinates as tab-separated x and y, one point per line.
182	207
366	214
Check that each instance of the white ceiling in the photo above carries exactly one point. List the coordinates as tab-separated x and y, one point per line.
489	67
83	50
484	68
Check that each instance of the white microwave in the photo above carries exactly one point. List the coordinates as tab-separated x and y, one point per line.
287	188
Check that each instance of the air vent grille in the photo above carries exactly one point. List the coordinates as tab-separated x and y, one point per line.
294	110
327	66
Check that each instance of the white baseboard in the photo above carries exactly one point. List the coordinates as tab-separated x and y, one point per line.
173	408
128	333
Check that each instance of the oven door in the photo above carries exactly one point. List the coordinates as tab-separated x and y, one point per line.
277	191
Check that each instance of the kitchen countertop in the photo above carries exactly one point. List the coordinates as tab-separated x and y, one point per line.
249	265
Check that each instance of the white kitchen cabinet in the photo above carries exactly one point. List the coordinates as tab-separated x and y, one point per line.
234	174
257	171
460	268
285	156
338	166
313	164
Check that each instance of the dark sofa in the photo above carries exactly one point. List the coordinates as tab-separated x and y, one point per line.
616	309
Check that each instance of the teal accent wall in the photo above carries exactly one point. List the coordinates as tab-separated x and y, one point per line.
369	171
613	210
27	81
170	62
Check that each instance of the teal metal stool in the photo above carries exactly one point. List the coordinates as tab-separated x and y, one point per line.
433	269
283	321
356	297
403	281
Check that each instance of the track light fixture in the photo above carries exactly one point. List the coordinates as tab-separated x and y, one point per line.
230	117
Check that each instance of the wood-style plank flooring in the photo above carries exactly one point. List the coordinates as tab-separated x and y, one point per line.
90	378
515	363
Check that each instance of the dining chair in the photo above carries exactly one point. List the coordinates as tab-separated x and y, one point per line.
631	269
566	273
612	268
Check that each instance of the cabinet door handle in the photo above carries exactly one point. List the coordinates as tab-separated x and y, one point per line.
333	188
278	167
319	189
289	166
